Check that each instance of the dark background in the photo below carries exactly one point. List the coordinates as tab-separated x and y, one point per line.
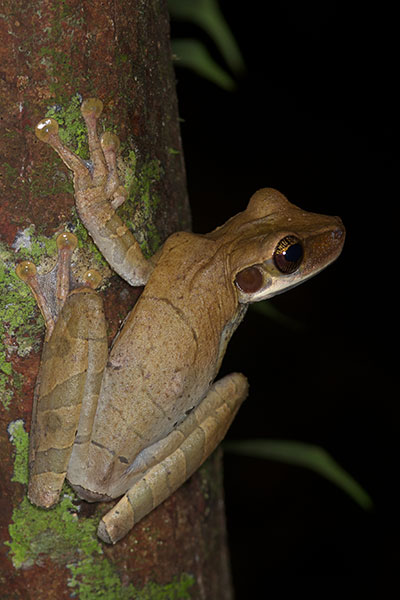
315	116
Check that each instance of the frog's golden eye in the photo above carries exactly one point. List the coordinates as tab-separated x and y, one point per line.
249	280
288	254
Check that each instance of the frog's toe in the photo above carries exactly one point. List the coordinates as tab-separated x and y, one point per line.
45	129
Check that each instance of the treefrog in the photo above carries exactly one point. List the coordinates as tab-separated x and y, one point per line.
136	421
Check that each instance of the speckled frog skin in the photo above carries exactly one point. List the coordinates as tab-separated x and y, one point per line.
136	421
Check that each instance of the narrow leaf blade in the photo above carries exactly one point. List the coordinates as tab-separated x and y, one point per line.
207	15
305	455
193	55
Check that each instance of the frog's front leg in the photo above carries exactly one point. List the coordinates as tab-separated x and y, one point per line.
172	460
73	359
98	192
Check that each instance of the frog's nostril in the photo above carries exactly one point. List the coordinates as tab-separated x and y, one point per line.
337	234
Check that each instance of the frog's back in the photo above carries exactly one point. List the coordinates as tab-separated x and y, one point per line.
163	361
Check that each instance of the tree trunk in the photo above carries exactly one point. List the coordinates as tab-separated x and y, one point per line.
52	55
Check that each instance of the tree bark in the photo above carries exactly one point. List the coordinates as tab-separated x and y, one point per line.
52	54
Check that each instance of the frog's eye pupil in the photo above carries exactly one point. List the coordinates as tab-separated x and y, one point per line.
288	254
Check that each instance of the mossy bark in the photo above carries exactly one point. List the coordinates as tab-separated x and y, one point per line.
51	55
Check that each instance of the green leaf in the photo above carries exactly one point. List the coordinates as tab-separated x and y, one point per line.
207	15
193	55
304	455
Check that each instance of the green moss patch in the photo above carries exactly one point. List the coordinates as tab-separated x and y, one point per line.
72	130
20	324
142	201
69	539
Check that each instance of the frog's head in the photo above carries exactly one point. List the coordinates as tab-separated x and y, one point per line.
275	245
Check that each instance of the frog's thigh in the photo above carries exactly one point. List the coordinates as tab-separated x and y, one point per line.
70	378
211	419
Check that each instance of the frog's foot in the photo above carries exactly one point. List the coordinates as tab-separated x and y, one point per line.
73	335
51	290
101	173
201	432
99	192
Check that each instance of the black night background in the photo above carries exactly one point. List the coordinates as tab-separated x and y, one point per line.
315	116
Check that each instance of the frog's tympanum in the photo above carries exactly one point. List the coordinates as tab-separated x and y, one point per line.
136	421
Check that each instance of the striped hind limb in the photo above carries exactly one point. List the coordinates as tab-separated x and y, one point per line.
200	433
72	363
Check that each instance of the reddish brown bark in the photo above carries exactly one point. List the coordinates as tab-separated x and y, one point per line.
118	51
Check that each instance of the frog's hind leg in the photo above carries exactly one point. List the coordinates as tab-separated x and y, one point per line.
74	354
71	372
200	433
